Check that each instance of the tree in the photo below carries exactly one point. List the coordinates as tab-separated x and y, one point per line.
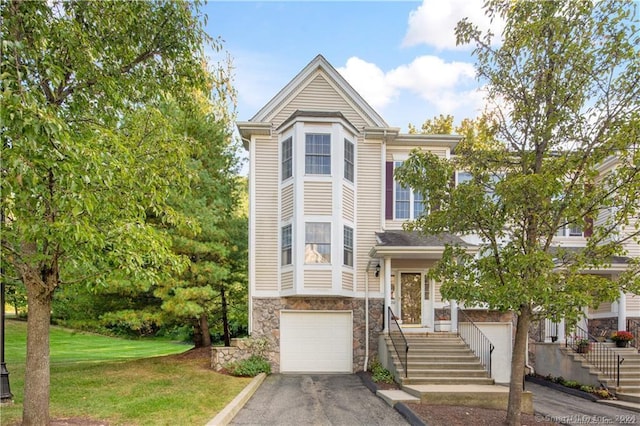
86	150
212	203
563	91
441	125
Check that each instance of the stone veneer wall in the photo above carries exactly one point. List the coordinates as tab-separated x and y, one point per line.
266	322
222	355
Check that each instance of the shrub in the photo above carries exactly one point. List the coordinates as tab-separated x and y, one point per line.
379	374
249	367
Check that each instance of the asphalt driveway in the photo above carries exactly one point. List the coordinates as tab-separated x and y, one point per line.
284	399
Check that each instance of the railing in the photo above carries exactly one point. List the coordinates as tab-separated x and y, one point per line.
633	327
476	340
603	358
399	341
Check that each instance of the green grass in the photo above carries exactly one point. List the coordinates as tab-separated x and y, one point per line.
120	381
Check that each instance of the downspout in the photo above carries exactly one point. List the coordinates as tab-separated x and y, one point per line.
366	315
526	359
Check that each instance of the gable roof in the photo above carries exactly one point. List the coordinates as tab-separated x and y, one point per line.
267	112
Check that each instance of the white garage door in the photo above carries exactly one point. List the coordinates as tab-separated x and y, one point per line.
316	342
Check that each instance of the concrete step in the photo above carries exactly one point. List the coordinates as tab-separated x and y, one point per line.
471	395
416	372
631	406
446	381
393	396
629	397
428	365
629	389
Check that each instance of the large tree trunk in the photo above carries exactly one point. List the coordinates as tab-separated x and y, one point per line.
36	379
225	318
204	328
197	334
516	385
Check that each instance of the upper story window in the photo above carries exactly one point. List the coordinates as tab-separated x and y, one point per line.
570	230
287	158
317	248
409	204
348	246
348	160
286	253
317	154
463	177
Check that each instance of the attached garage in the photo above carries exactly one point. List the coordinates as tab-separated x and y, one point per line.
316	341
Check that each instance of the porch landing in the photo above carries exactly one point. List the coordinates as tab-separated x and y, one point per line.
484	396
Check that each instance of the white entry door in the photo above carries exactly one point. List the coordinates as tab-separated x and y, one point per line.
316	342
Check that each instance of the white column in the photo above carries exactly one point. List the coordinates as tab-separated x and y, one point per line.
622	311
387	290
454	316
562	334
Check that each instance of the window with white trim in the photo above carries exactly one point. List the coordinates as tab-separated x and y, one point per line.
287	158
286	252
409	204
348	160
348	246
317	159
317	239
570	230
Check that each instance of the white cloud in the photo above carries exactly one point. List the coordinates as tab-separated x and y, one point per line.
447	86
433	22
369	81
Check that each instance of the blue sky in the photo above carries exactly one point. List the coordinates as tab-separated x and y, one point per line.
399	55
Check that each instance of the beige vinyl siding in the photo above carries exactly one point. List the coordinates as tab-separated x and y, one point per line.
347	281
604	308
287	202
633	304
320	95
347	202
286	280
402	151
368	206
631	246
437	296
317	198
317	280
266	227
413	264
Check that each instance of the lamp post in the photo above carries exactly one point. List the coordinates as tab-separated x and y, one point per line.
5	389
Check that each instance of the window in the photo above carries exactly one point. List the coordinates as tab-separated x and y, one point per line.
317	247
570	230
463	177
348	246
286	245
317	154
287	155
348	160
409	204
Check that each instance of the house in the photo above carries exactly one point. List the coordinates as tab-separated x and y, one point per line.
328	258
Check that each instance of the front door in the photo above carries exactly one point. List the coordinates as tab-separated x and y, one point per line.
411	298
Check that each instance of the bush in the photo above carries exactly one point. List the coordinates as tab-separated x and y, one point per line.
379	374
249	367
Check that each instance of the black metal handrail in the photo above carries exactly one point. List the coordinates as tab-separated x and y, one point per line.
633	327
476	340
603	358
394	332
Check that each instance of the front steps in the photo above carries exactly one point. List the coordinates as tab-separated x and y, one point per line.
439	358
629	387
444	371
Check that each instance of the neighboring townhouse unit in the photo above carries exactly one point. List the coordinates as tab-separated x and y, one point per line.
327	253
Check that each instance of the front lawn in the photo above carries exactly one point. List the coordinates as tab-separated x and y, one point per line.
133	382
